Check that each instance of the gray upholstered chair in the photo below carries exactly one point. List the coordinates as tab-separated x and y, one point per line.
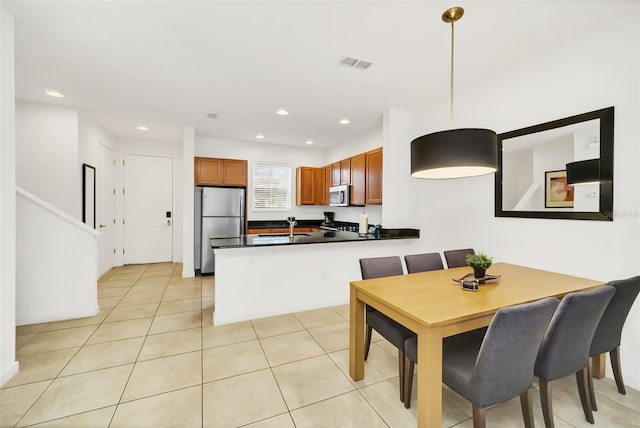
456	258
378	267
609	330
423	262
565	347
491	365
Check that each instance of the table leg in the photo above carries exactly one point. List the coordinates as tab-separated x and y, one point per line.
429	377
598	365
356	337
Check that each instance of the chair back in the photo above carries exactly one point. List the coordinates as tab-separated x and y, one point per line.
423	262
504	366
609	330
456	258
378	267
565	347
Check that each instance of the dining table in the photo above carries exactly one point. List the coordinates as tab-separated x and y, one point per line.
435	306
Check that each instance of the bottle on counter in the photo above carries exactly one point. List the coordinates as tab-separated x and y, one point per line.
363	224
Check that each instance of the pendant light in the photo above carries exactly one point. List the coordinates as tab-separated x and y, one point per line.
583	172
454	153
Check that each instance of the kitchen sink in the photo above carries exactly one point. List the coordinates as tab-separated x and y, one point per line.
276	235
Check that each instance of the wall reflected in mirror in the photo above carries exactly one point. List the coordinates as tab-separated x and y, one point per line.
532	180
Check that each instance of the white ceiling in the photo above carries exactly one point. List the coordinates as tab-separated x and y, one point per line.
165	63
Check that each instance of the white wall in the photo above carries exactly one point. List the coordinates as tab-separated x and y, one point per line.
8	363
598	70
47	154
48	286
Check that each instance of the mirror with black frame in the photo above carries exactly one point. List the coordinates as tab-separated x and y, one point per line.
542	169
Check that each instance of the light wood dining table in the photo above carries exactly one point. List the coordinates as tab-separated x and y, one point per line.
434	306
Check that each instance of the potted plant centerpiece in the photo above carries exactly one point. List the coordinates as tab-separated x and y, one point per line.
480	263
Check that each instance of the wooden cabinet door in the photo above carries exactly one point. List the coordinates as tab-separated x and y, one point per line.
207	171
335	174
319	191
345	171
374	176
328	183
358	175
304	185
234	172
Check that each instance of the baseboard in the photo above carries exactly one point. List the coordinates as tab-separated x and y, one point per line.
10	372
58	317
631	381
188	273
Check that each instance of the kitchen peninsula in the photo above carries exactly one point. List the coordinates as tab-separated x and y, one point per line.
262	275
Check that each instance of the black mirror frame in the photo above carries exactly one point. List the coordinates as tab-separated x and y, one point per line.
606	168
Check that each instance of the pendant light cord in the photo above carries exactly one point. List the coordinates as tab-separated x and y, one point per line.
451	99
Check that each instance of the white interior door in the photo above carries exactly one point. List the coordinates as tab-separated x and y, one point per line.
106	208
148	209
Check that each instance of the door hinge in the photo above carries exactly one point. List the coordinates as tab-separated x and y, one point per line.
114	162
123	190
123	251
122	221
114	221
122	162
114	191
114	251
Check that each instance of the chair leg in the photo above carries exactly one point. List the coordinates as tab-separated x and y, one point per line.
401	372
479	417
545	400
583	387
526	403
614	355
592	392
408	381
367	341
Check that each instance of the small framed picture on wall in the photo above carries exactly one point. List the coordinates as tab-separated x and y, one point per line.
557	193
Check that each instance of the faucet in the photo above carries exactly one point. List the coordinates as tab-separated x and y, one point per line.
292	223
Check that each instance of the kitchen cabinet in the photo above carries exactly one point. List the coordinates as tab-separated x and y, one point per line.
320	192
220	172
305	180
328	183
335	174
358	179
373	181
345	171
311	186
280	230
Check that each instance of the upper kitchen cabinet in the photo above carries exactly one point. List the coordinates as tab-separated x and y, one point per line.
345	171
373	192
220	172
305	185
335	174
358	179
311	185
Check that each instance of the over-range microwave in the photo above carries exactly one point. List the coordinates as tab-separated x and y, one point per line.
339	196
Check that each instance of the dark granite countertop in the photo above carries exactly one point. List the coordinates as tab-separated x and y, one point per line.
270	239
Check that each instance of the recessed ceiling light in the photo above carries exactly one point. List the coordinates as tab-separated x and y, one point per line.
308	142
344	121
54	94
260	137
142	128
282	112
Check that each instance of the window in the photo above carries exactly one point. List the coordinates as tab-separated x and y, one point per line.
271	187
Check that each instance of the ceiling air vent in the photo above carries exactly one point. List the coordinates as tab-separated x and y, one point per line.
353	62
211	115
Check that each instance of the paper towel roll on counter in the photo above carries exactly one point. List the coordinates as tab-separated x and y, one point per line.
363	224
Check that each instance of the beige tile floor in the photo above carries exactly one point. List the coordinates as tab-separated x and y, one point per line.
152	358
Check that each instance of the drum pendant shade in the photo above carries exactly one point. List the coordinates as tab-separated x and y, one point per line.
454	153
583	172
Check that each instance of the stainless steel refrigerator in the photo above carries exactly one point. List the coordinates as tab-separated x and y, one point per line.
222	217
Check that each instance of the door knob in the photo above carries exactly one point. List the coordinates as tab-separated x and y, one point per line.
102	226
168	222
